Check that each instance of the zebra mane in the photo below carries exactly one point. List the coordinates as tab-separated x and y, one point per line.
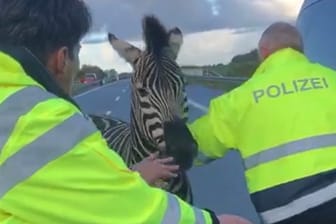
155	35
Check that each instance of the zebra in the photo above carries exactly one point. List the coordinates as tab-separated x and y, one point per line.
159	105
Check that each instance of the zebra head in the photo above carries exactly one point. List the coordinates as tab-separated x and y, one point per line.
159	107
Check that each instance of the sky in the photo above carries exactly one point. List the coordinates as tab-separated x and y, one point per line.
214	31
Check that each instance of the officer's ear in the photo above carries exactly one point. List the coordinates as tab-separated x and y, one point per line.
57	62
264	52
58	65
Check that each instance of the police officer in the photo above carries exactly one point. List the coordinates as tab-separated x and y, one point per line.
55	167
282	120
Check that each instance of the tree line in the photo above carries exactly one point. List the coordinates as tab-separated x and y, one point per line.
242	65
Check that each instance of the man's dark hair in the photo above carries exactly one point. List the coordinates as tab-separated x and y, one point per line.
43	26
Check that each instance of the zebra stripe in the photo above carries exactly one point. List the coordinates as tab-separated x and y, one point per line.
158	95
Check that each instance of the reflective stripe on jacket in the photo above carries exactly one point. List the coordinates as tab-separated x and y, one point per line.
55	167
283	122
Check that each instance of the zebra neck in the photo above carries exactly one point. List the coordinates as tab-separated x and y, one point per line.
140	143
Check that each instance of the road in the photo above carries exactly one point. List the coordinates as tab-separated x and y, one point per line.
220	185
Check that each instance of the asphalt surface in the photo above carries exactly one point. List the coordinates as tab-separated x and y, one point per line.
219	186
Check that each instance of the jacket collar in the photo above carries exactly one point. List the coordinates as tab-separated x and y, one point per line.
29	65
280	58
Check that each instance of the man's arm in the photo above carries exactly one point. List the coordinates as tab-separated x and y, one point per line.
71	176
216	131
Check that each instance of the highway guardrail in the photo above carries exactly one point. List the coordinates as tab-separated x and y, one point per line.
210	81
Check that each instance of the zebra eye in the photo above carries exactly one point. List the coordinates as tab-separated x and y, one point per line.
143	92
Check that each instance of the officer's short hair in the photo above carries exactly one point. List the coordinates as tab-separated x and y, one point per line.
43	26
283	34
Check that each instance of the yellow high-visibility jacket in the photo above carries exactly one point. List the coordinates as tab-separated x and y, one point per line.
56	168
283	122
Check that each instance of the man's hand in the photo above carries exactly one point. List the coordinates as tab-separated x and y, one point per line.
232	219
153	169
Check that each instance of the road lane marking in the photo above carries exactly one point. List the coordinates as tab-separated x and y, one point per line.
199	106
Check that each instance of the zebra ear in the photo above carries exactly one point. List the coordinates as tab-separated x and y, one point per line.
125	50
175	40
